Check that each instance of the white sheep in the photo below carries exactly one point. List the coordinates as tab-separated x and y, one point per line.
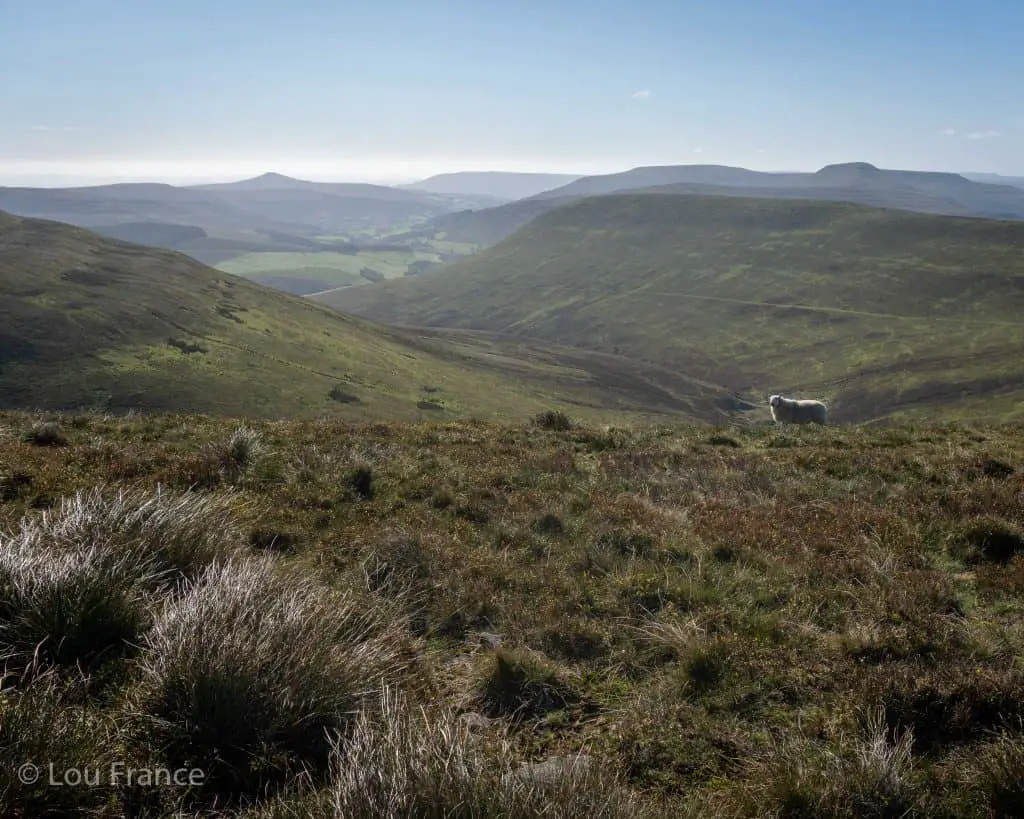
797	411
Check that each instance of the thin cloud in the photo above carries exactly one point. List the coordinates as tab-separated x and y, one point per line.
55	128
642	94
985	135
947	132
698	150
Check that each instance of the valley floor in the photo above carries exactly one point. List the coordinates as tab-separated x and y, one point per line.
724	622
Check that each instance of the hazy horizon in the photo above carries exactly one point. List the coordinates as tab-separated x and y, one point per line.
374	173
188	93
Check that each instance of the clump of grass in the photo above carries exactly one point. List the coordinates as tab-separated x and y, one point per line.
168	535
360	481
272	541
342	396
14	485
724	440
243	447
706	665
518	684
398	563
70	608
401	762
47	434
1000	775
549	524
442	499
986	539
251	669
869	776
76	582
46	724
554	420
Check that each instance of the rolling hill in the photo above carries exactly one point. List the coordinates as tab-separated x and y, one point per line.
498	184
927	192
87	321
268	204
883	312
861	183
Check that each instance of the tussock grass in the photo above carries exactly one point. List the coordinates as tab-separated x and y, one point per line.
45	725
169	535
867	775
519	685
250	669
77	581
402	762
73	608
47	433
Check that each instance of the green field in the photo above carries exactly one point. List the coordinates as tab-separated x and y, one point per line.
389	620
330	269
883	313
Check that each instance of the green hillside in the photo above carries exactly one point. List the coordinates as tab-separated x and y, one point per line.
882	312
88	321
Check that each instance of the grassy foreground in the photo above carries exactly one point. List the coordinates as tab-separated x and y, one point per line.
391	620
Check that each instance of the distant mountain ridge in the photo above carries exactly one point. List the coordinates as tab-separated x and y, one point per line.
995	179
268	203
939	193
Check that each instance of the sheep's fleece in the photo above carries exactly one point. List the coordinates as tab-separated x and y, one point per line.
797	411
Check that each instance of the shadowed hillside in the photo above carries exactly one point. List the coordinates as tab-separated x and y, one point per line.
87	321
882	312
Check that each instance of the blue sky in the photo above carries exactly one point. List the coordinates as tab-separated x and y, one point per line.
389	90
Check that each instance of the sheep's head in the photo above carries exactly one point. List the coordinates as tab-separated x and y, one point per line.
775	400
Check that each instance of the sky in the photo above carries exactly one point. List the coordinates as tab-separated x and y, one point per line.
395	90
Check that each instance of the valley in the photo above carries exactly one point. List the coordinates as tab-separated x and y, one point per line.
884	313
89	322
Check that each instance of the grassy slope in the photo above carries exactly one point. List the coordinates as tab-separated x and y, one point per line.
882	312
87	321
742	623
